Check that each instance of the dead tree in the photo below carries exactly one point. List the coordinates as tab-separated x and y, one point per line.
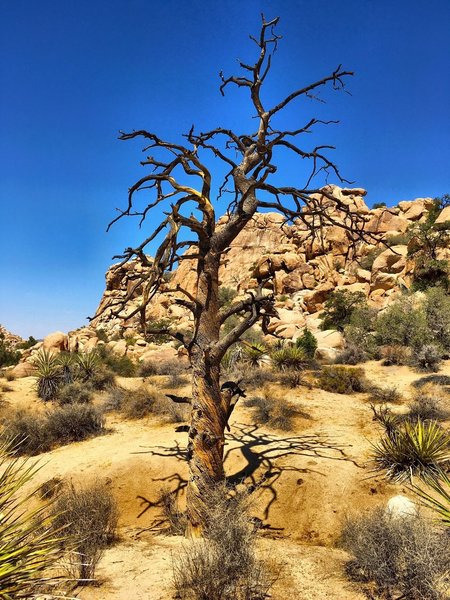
179	179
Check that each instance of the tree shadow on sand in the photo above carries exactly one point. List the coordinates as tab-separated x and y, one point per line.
267	456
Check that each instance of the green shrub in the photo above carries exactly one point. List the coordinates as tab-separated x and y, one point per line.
29	343
30	546
342	380
403	557
366	262
48	372
67	365
102	335
102	379
88	516
120	365
421	449
437	314
288	357
308	343
436	496
74	393
403	324
379	205
255	355
8	355
226	296
429	272
339	308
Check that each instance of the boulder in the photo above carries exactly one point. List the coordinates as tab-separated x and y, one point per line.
330	338
401	507
444	215
392	260
162	354
24	369
314	299
56	342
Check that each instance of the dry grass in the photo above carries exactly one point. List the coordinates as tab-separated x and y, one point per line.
274	410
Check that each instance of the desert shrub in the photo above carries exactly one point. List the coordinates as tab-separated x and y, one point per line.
366	261
102	335
254	377
430	272
147	369
102	379
6	388
308	343
288	357
420	448
226	296
437	313
74	422
29	547
170	411
29	343
74	393
9	376
120	365
396	355
398	239
428	404
428	358
403	324
173	517
158	325
88	516
175	370
342	380
384	394
339	307
139	403
223	565
8	355
255	355
276	412
292	378
379	205
359	334
403	557
29	432
351	355
48	372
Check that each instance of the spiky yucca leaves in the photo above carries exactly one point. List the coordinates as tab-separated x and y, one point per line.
387	419
89	363
48	372
28	545
421	449
255	354
288	357
67	364
438	498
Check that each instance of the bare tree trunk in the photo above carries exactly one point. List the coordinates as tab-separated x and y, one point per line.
209	405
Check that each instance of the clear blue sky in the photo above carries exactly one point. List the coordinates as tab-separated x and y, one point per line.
74	72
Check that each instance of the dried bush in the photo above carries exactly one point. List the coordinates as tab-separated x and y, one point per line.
292	378
29	432
420	448
223	565
428	404
88	516
73	423
254	377
342	380
140	403
9	376
396	355
384	394
351	355
443	380
102	378
74	393
428	358
277	413
175	519
402	557
175	370
147	369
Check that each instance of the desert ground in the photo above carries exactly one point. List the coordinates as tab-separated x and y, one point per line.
309	480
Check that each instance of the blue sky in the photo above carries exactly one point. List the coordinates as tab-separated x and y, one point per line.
73	73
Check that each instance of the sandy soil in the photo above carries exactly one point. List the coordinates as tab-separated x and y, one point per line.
310	479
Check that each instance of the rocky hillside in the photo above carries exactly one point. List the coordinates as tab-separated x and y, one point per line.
306	269
11	340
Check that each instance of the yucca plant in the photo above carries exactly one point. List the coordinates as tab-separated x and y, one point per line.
289	357
48	372
387	419
255	354
89	363
67	364
439	497
421	449
29	547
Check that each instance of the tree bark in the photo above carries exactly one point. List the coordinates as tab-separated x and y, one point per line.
209	405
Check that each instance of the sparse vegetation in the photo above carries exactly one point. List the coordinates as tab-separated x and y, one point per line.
88	516
339	308
421	449
8	356
428	404
274	411
401	557
75	393
30	544
120	365
307	342
288	358
224	565
342	380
